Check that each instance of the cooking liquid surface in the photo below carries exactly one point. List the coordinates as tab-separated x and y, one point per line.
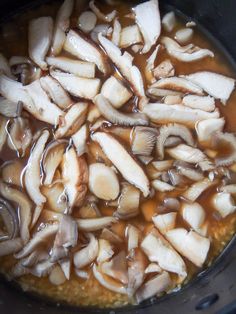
82	292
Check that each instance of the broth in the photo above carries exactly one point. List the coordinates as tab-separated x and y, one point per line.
81	292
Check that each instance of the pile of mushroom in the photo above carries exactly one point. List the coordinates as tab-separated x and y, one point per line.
113	137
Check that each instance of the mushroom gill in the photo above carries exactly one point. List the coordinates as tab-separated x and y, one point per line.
117	117
172	129
143	140
128	202
32	178
189	53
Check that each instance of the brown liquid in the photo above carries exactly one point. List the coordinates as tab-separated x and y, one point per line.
89	292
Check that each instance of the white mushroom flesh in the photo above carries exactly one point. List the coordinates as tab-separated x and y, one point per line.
190	244
224	204
165	222
40	36
88	254
184	35
77	86
32	173
206	103
169	21
147	16
194	215
82	49
207	128
131	171
87	21
115	91
61	25
216	85
129	36
76	67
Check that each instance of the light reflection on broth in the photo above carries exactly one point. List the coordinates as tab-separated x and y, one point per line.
88	292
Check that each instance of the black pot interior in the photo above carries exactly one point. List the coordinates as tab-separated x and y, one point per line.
214	290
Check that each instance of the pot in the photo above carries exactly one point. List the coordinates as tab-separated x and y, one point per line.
213	290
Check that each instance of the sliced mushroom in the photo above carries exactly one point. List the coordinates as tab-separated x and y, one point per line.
165	222
115	92
187	153
105	251
164	69
183	35
10	109
79	140
133	235
65	264
169	21
230	188
187	53
76	67
143	140
124	63
196	189
159	250
153	268
82	274
150	64
3	131
137	263
20	135
162	165
158	92
154	286
207	128
162	186
191	173
39	238
147	16
224	204
11	172
162	114
73	120
129	36
57	276
35	257
179	84
230	141
66	238
190	244
55	92
172	129
88	254
111	236
42	269
194	215
104	29
25	208
115	38
106	18
78	86
56	197
75	177
94	224
116	153
32	173
87	21
52	157
116	268
44	109
116	117
81	48
206	103
216	85
173	100
128	203
40	36
103	182
10	246
107	282
61	25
